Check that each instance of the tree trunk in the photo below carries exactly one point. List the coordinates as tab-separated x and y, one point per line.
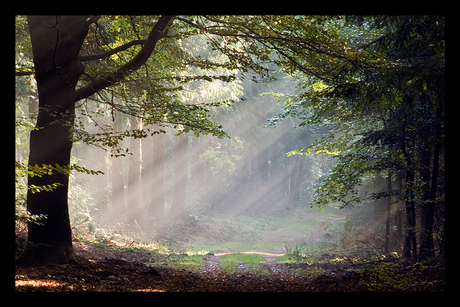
388	214
398	215
410	240
429	193
286	181
409	235
118	185
157	202
180	175
262	159
297	176
146	176
56	41
134	181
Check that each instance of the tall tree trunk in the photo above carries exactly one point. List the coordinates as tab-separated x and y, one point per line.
388	214
297	176
410	246
157	202
286	184
262	159
398	216
134	181
180	175
429	193
147	176
118	185
427	212
410	240
56	41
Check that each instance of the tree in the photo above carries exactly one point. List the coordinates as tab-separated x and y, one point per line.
56	44
57	71
381	95
118	186
134	178
124	72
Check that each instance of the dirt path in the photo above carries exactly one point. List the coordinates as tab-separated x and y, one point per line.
211	265
211	262
274	267
268	255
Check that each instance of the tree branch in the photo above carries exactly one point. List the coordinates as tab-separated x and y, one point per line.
91	20
244	31
92	57
159	31
24	73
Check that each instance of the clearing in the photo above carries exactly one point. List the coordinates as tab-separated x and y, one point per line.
287	252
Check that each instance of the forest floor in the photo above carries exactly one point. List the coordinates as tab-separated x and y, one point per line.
285	253
122	271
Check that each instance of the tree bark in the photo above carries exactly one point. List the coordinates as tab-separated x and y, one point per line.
56	41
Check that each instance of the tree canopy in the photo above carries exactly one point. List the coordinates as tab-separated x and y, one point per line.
384	111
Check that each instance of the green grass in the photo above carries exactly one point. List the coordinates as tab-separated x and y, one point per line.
243	233
194	262
182	261
230	263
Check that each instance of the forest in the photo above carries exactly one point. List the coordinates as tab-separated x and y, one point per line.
222	153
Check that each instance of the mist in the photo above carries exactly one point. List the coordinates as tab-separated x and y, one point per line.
242	193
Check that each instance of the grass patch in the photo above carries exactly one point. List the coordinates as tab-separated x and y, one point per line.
242	233
194	261
182	261
230	263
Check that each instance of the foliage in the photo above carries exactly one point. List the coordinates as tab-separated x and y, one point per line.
387	276
169	90
360	102
220	158
80	205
